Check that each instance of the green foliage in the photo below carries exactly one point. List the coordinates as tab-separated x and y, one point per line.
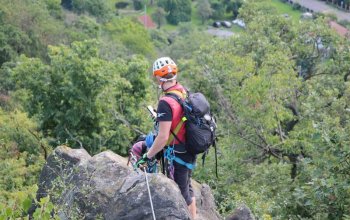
204	10
159	38
29	26
97	8
218	9
284	9
17	130
130	34
184	45
54	7
88	26
178	11
280	91
21	159
12	42
18	207
22	153
233	7
159	16
138	4
18	203
296	6
45	210
82	99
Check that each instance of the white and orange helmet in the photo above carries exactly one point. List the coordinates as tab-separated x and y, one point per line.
163	66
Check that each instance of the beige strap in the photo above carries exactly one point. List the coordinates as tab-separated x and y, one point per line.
178	93
176	131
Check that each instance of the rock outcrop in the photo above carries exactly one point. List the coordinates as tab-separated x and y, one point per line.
104	187
242	212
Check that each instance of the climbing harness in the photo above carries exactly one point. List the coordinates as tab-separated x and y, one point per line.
169	155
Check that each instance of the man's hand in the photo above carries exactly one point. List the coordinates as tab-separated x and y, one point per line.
142	161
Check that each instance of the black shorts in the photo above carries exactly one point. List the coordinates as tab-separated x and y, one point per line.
182	176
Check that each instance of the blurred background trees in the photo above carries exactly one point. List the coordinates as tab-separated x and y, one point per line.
80	75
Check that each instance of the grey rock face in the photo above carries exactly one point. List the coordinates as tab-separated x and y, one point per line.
104	187
242	212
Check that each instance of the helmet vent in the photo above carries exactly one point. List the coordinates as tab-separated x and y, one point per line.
161	63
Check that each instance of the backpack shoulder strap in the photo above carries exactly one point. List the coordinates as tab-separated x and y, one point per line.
177	93
174	95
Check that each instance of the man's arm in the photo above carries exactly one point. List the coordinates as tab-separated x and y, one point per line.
161	139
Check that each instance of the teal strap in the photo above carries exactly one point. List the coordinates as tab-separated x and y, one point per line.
188	165
169	154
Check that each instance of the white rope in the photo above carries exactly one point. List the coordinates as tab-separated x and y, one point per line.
149	194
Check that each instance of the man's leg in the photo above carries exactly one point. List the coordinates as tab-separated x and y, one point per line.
182	177
193	209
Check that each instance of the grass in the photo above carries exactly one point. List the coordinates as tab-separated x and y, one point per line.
169	27
236	29
150	10
284	8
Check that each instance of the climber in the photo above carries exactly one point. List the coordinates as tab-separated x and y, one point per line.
169	114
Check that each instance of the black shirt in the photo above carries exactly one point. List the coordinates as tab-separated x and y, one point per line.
164	112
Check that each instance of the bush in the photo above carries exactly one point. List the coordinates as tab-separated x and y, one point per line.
159	38
138	4
179	11
218	10
121	5
296	6
97	8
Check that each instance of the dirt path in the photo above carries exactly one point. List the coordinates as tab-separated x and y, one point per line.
219	32
319	6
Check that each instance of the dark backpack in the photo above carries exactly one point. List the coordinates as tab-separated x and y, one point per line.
199	124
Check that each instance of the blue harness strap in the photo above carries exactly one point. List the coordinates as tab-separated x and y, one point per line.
169	154
188	165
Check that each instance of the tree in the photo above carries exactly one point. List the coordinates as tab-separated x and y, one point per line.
184	47
129	34
178	10
204	10
138	4
280	92
54	6
233	6
28	27
97	8
83	100
22	154
13	41
159	16
218	9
